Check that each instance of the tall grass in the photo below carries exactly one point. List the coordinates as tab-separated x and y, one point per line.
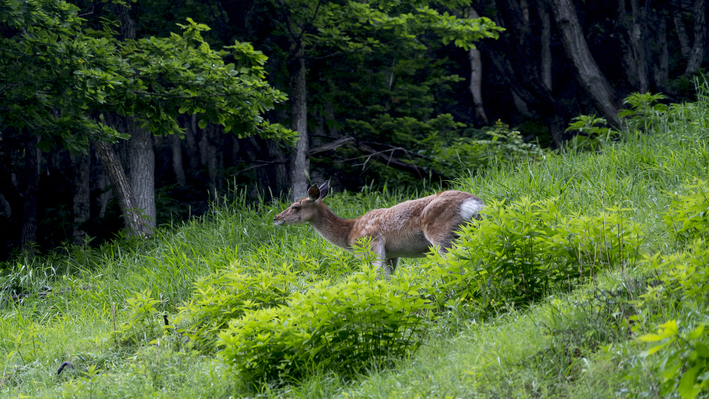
67	306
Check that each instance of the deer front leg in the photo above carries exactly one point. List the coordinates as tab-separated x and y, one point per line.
381	262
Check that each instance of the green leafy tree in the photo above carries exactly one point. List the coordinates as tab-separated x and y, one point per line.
355	33
60	82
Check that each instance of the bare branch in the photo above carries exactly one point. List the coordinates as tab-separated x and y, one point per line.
332	145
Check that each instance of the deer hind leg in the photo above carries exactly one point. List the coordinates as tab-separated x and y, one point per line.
441	236
392	263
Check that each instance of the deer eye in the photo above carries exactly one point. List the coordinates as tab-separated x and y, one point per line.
296	208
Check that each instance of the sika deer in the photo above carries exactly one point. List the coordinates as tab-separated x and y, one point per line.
406	230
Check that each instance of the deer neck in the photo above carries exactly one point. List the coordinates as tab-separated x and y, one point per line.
331	227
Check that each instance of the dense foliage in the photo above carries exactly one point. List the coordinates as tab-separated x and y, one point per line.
587	277
60	78
390	92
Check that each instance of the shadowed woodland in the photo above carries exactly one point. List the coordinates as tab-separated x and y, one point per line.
137	114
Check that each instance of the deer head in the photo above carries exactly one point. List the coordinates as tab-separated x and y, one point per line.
305	209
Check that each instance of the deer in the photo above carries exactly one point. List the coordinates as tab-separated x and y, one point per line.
406	230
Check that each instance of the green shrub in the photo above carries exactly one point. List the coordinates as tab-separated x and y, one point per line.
645	110
593	133
520	251
227	294
688	217
684	274
345	328
684	368
504	146
143	323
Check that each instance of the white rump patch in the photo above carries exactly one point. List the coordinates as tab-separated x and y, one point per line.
469	208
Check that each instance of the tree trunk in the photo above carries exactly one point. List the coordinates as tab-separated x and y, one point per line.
680	28
141	155
476	73
192	148
102	183
211	160
635	48
280	173
593	80
204	146
30	178
661	68
300	162
696	54
124	193
512	55
142	172
176	147
546	44
5	207
82	198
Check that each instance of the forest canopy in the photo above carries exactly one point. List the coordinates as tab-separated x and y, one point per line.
138	113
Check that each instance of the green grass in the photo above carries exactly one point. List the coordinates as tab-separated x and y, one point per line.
573	344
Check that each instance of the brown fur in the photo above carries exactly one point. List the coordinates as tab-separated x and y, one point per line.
406	230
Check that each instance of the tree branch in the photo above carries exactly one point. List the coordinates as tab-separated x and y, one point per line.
380	156
260	164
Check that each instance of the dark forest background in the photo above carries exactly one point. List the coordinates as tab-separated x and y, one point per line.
379	92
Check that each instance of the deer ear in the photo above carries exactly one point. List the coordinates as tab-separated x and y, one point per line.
324	190
313	193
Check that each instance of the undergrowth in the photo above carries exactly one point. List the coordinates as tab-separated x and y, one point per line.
586	278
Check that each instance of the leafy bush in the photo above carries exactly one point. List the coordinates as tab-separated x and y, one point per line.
345	327
593	133
685	368
681	358
645	109
504	146
143	322
520	251
227	294
688	217
684	274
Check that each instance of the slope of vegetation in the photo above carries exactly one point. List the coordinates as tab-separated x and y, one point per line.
586	279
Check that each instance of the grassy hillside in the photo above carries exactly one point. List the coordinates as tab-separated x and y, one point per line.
103	310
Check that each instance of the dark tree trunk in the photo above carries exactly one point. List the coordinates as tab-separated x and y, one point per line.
191	135
661	67
209	136
268	165
126	29
512	57
5	207
546	44
82	198
176	148
696	54
680	28
280	172
30	178
101	182
635	54
300	161
476	72
126	201
593	80
142	172
141	155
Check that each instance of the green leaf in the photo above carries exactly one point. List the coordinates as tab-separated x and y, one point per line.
702	350
696	333
685	387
